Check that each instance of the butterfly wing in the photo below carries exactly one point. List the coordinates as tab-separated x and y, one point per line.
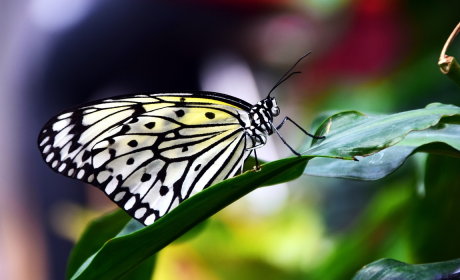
148	153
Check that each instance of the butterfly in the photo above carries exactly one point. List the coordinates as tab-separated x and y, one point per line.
149	152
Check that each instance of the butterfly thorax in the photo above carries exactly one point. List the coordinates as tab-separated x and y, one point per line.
261	118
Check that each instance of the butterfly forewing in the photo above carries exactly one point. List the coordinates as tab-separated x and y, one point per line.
150	152
66	141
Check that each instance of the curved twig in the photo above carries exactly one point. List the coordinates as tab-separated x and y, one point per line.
445	60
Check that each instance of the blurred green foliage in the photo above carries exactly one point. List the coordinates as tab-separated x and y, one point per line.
401	217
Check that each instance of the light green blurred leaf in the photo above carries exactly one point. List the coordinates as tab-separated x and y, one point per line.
388	269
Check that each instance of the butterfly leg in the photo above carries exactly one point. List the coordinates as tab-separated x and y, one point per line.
257	168
242	167
289	119
284	141
244	161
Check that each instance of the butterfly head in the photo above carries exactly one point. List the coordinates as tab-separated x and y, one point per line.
271	106
261	115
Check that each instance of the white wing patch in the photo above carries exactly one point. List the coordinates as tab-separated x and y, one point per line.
57	126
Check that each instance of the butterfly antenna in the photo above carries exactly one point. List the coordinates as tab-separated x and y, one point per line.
288	74
283	80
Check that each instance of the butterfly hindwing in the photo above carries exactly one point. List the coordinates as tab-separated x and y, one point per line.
152	163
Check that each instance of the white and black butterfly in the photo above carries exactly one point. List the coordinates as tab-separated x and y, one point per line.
149	152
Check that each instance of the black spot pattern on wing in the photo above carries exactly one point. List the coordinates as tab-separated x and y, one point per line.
179	113
86	155
132	143
164	190
146	177
210	115
150	125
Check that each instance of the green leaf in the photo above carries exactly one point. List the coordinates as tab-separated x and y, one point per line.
143	271
389	269
135	244
385	141
95	235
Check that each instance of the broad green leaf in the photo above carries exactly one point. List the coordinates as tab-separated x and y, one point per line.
386	141
389	269
143	271
135	243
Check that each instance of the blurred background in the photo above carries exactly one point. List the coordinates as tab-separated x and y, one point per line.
374	56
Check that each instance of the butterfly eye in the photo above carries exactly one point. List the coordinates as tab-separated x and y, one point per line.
275	111
268	103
